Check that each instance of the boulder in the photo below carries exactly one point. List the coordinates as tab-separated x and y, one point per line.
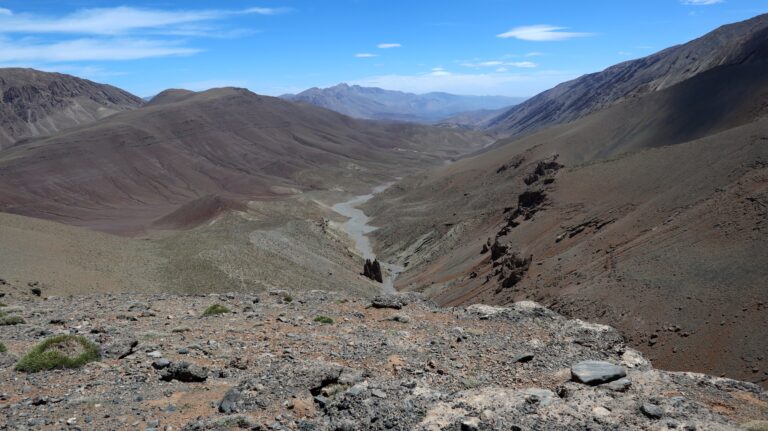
228	404
184	372
652	411
596	372
387	301
120	348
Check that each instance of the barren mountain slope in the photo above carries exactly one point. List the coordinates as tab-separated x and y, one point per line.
651	218
296	241
38	103
728	45
126	171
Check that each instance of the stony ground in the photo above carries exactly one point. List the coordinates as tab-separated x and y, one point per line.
392	363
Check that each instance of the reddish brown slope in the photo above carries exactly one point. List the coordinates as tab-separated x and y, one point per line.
677	182
129	169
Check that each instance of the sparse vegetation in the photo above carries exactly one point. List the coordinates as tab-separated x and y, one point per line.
3	349
59	352
756	426
288	298
324	319
2	304
215	309
9	319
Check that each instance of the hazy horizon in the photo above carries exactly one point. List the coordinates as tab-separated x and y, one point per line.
489	48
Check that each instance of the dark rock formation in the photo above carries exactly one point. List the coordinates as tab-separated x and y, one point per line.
545	170
497	250
372	270
512	269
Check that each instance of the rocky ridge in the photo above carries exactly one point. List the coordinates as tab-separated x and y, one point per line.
319	361
35	103
731	44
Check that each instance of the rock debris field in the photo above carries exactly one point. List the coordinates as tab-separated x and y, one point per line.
317	361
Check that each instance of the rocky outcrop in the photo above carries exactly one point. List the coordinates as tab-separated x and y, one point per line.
372	270
511	269
544	171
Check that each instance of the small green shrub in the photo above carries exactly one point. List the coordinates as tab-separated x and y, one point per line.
324	319
288	298
756	426
3	349
3	304
215	309
47	355
8	319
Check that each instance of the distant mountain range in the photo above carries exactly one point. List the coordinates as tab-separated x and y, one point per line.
378	104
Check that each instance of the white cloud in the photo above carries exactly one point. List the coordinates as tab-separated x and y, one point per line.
541	33
89	50
700	2
535	54
117	20
511	84
388	45
498	63
115	33
267	10
365	55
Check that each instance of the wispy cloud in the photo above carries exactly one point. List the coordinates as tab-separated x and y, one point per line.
268	10
117	20
541	33
365	55
700	2
498	63
116	33
89	50
388	45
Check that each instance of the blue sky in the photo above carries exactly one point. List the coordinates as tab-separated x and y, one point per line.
514	48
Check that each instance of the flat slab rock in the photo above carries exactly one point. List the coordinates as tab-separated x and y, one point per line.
596	372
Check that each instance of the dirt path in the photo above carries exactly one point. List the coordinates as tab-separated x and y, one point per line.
357	228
